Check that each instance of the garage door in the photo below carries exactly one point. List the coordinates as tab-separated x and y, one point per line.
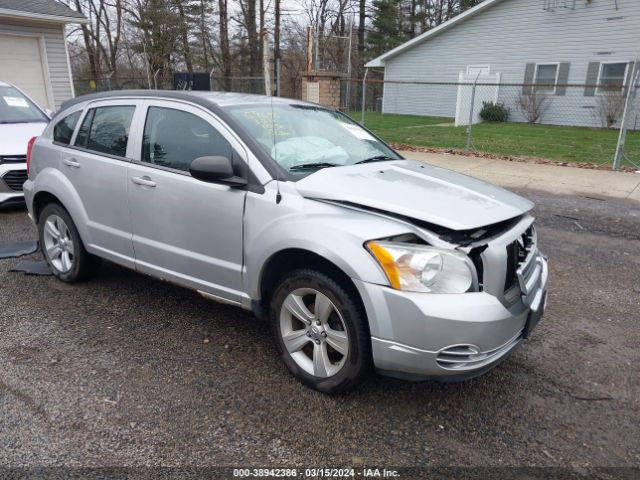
21	65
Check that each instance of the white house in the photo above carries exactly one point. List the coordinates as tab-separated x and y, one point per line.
33	51
552	43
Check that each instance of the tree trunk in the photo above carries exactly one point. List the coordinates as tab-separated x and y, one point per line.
186	51
261	32
361	24
204	35
276	46
252	37
224	44
92	53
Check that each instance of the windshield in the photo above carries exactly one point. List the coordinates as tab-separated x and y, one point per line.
304	138
16	108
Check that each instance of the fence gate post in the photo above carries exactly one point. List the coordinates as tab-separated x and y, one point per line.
631	94
473	101
364	95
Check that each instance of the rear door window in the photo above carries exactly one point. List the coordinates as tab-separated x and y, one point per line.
106	129
63	131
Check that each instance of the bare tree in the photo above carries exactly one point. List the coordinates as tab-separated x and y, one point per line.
248	22
609	107
533	105
91	35
293	58
101	37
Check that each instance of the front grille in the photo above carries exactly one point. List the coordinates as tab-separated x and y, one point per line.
15	179
13	159
519	253
469	357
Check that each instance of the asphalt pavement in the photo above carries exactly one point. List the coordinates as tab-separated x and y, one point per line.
126	370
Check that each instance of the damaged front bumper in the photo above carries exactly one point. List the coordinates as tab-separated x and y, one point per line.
459	336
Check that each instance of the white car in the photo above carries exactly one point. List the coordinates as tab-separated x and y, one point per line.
20	120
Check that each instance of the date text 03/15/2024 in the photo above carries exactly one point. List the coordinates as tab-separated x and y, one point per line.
315	473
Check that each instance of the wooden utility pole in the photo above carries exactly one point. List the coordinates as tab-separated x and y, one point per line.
309	49
265	62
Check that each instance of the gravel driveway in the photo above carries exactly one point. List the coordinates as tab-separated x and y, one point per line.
127	370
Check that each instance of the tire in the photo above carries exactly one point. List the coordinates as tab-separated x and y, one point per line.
330	356
62	247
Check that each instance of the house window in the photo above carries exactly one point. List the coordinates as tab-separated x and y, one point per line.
546	78
612	77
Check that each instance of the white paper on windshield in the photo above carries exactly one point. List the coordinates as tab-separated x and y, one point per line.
16	102
357	132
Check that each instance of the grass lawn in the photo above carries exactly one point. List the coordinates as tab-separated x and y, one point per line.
567	144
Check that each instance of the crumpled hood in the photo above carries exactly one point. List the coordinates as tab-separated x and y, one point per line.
15	136
417	190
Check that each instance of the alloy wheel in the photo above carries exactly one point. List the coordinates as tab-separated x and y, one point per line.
58	243
314	332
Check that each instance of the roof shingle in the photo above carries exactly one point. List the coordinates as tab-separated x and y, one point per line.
40	7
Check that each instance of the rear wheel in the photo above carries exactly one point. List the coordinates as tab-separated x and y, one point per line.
62	247
319	331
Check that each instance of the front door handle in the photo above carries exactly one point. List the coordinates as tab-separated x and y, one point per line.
144	181
71	162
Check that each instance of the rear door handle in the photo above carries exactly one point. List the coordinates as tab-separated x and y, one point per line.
144	181
71	162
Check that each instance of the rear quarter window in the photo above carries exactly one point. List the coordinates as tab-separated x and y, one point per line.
63	131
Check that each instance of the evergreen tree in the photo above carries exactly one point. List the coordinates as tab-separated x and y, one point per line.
386	27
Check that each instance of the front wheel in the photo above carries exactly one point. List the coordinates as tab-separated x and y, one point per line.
319	331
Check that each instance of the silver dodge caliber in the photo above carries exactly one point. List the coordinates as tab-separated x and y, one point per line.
357	257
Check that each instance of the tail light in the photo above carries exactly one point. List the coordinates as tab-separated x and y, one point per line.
29	147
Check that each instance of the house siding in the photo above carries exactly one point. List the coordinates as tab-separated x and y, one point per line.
508	36
56	55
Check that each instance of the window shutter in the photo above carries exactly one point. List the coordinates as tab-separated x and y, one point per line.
529	72
592	79
563	79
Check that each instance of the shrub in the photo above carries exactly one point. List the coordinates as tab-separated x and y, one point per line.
494	112
533	105
610	107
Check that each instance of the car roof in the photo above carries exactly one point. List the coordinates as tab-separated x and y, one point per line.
213	99
5	84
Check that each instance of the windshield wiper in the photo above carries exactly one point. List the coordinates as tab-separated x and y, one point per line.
377	158
312	166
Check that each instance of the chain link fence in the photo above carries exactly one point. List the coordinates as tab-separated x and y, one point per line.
578	124
84	86
238	84
223	84
561	123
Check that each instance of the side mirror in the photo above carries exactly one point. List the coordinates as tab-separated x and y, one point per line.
217	170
